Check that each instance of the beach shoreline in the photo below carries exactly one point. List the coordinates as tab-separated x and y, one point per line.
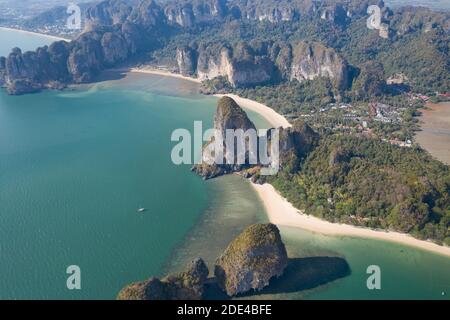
150	70
274	118
36	34
283	213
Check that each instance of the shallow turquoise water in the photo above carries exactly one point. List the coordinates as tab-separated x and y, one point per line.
73	172
75	165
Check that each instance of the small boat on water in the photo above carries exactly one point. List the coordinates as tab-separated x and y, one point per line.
140	210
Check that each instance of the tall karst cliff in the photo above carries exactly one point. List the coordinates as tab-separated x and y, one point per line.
294	144
263	62
116	30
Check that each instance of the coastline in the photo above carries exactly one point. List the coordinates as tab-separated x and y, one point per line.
36	34
274	118
150	70
281	212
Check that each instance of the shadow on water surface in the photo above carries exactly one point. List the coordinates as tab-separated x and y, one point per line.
300	274
110	74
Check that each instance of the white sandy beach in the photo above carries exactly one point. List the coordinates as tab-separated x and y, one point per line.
36	34
158	72
282	213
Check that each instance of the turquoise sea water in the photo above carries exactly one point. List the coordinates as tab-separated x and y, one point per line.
75	165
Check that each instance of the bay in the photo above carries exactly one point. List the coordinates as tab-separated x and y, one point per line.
75	165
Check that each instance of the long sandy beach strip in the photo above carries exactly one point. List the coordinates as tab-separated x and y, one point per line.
36	34
282	213
158	72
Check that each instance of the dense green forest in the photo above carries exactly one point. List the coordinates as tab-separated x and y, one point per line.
370	183
421	53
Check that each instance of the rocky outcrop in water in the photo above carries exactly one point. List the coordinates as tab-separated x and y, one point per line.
186	285
33	70
251	260
229	116
62	63
294	143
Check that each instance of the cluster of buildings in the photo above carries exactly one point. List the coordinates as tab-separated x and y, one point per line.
385	113
359	119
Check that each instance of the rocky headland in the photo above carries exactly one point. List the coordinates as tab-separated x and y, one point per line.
252	262
119	32
294	143
249	262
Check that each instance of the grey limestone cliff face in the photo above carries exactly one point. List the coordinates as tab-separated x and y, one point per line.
187	13
62	63
294	143
312	60
187	61
248	65
213	61
190	13
269	11
251	260
229	116
33	70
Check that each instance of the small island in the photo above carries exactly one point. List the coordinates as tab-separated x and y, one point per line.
252	262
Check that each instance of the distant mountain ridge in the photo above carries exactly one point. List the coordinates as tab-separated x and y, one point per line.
117	30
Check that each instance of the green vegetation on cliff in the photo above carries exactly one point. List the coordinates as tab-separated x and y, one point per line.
251	260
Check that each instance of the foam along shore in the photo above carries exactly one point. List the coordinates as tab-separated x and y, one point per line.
283	213
36	34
